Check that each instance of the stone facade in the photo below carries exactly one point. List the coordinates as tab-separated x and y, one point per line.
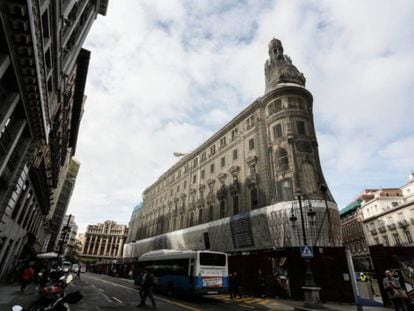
389	216
43	70
67	237
104	242
265	155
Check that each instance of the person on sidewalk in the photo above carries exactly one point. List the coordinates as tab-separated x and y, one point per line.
394	291
27	276
261	284
236	286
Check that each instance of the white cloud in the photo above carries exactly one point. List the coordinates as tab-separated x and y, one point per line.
165	75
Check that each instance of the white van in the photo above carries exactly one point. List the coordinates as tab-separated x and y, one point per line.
66	265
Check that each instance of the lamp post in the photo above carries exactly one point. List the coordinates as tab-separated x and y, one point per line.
311	291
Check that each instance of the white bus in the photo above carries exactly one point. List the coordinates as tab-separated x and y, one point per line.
187	271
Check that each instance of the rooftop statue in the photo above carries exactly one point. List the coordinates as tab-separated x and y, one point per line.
279	68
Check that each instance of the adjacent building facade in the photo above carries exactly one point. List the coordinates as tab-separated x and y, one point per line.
104	242
43	70
67	238
378	216
238	189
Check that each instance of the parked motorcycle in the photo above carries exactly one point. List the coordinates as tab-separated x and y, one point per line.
53	297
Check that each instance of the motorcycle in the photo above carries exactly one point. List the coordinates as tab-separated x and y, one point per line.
53	297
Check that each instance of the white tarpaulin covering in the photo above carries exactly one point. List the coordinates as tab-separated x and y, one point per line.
49	255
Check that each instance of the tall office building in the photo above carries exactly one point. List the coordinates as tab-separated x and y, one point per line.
239	189
43	71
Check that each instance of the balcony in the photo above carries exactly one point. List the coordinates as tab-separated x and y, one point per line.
374	231
392	227
382	229
403	223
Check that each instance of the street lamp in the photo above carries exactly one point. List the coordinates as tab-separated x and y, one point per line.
311	291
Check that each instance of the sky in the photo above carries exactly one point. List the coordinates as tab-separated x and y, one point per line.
165	75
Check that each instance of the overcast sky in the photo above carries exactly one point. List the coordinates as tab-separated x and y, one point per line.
166	75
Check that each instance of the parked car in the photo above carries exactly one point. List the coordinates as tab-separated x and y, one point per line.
75	268
66	265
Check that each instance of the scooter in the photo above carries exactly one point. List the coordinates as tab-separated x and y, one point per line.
55	299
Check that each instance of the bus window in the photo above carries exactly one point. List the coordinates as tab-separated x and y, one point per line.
212	259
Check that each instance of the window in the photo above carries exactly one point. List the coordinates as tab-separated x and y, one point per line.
195	162
282	159
250	122
200	216
300	126
202	174
223	161
178	188
233	134
253	198
394	204
396	238
222	208
194	179
386	241
212	149
185	184
234	154
210	212
212	168
277	131
251	144
376	241
204	156
408	236
235	204
223	142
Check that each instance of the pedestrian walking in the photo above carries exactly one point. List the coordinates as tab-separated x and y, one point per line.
148	285
78	274
27	276
261	284
236	286
395	292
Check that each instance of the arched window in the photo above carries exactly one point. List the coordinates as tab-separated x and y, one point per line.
282	159
253	198
235	205
210	212
222	208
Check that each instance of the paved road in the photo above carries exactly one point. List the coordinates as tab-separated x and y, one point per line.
102	292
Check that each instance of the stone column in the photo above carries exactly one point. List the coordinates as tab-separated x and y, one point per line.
89	244
120	247
94	244
106	246
100	246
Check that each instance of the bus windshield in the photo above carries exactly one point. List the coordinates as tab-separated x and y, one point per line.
212	259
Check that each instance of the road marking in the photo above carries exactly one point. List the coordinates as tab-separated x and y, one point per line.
246	306
162	299
93	286
106	297
116	299
101	289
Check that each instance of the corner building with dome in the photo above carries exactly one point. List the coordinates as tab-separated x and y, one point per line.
240	191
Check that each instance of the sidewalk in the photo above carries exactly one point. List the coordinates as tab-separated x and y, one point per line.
10	295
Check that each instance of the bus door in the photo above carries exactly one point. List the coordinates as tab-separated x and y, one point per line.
191	278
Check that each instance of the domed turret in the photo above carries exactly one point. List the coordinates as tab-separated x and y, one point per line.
279	68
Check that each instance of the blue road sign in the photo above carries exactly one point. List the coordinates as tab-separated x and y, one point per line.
306	251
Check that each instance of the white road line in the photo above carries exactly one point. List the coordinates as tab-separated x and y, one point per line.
162	299
116	299
101	289
106	297
93	285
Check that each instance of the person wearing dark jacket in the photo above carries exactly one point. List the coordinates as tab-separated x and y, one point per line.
235	288
147	285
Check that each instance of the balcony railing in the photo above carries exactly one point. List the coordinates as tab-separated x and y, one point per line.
392	227
382	229
403	223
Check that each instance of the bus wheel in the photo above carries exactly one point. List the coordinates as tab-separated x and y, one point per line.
170	290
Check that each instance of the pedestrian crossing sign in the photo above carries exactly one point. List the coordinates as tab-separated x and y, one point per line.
306	251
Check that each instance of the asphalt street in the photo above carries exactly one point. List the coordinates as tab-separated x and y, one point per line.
102	292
